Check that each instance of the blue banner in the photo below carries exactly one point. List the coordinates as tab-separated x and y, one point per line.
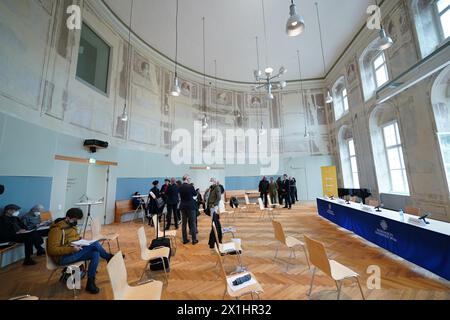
426	248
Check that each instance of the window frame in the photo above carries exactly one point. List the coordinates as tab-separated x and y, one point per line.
441	150
350	156
374	69
397	146
110	64
438	15
340	101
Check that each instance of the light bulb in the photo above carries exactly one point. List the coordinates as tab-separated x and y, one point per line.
175	91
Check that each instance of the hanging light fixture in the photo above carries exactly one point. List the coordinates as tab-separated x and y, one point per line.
295	24
175	90
384	41
302	99
205	118
329	98
269	75
124	116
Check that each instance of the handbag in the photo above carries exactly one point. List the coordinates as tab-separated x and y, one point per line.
160	202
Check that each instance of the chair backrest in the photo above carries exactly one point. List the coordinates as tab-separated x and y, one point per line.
156	223
221	206
374	203
46	216
247	200
142	241
261	204
216	235
95	228
279	232
117	275
269	201
51	265
318	255
413	210
222	268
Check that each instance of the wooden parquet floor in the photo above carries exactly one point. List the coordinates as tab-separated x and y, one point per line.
194	276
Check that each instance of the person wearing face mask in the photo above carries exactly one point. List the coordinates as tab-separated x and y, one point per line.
213	206
13	230
60	248
32	220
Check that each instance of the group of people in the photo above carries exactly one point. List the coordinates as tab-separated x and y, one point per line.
281	191
182	202
24	228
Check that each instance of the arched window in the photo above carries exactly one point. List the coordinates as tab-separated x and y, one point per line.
340	98
374	70
349	164
388	151
440	96
432	21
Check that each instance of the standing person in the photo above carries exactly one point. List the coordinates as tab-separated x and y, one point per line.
179	183
295	189
213	206
273	191
62	233
153	208
164	193
13	230
172	203
286	192
292	189
187	194
264	190
280	191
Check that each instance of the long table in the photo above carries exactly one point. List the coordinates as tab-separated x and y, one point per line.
425	245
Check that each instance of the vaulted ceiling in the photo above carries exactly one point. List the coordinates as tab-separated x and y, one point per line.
231	28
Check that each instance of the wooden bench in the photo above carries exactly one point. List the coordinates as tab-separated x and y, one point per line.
10	246
122	207
239	194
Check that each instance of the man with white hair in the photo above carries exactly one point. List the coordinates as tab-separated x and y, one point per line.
187	193
213	206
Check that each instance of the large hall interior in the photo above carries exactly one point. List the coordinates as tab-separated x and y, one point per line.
221	150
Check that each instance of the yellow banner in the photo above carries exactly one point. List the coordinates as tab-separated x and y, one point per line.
329	181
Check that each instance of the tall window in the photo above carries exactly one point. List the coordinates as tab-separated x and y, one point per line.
443	12
353	163
380	70
394	153
340	96
93	60
444	141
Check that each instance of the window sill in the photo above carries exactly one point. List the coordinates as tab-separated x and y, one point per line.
396	194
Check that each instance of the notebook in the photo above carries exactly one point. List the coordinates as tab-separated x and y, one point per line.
83	243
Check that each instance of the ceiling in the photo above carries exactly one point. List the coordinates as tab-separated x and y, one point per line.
231	28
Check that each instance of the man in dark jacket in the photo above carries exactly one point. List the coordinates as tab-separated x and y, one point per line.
13	230
292	188
286	192
280	190
264	190
187	207
172	202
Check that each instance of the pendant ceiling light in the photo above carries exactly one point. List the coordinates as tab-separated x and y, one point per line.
329	98
295	24
124	116
175	90
269	76
302	96
204	107
384	41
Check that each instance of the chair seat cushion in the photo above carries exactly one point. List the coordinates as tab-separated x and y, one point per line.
293	242
147	291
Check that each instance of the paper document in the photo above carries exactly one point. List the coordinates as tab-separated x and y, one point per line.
234	288
83	243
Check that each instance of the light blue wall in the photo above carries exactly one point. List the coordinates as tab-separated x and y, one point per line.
26	191
127	186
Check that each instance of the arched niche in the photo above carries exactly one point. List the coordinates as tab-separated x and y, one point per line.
344	135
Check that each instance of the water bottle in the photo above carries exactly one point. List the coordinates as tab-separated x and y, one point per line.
402	217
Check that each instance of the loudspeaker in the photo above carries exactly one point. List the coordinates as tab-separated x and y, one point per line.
93	145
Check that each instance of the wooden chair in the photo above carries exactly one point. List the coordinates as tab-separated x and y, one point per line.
247	201
117	272
171	234
264	210
253	289
289	241
413	211
226	213
147	254
272	205
122	207
228	248
333	269
97	235
53	267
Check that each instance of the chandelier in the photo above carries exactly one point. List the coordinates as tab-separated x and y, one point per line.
268	80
